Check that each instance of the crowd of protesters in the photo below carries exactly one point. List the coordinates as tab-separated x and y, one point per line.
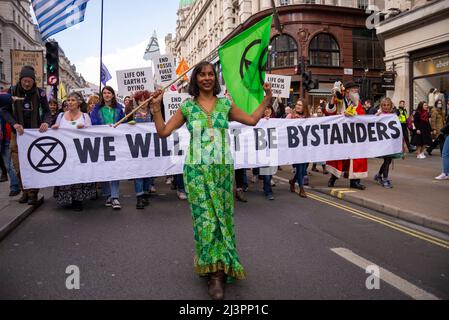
24	106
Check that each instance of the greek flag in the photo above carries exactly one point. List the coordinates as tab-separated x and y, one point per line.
105	75
54	16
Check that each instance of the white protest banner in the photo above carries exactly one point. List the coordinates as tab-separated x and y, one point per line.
165	69
280	85
86	92
172	101
103	153
133	80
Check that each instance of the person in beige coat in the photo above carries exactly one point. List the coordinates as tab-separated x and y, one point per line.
436	123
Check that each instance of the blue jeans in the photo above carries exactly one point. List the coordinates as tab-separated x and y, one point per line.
6	155
179	180
110	189
445	156
267	185
142	185
301	172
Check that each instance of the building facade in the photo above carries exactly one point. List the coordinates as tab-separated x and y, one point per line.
417	51
68	75
17	31
332	36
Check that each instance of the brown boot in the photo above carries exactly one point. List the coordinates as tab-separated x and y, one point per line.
216	285
292	185
302	192
24	197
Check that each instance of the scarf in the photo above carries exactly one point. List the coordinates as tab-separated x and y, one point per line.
424	116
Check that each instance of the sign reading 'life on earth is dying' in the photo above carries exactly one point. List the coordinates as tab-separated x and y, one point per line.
133	80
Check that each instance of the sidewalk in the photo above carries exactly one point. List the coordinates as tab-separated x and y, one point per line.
12	213
415	197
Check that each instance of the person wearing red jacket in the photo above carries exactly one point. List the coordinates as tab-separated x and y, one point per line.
353	169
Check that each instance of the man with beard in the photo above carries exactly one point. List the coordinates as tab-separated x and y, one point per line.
30	113
353	169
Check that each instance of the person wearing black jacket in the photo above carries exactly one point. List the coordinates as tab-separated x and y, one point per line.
30	113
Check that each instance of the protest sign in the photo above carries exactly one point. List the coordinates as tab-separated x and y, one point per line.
68	156
165	69
280	85
133	80
20	58
172	102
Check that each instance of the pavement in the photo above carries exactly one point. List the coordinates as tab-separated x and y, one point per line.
415	197
12	213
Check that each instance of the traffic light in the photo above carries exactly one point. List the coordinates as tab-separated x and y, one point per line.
52	57
308	82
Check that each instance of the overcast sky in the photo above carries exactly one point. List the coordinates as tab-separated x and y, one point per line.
128	26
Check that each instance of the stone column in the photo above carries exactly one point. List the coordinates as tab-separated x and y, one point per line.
244	10
401	86
255	6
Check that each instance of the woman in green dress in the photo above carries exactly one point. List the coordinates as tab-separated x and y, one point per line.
209	172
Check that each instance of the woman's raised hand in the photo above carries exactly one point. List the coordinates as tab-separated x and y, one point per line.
267	89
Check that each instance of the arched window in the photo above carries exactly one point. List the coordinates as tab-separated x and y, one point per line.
324	51
284	52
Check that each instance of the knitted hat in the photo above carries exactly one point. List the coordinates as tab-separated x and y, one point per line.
27	72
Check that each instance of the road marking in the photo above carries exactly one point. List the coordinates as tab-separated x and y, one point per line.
398	227
392	225
385	275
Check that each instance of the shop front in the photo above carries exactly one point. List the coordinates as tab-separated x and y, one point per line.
430	76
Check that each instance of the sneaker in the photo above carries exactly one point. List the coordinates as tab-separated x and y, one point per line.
115	204
240	196
270	197
182	195
168	180
108	202
273	184
387	184
378	178
153	189
421	156
442	176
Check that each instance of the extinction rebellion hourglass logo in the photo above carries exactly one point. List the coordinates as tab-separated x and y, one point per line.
47	155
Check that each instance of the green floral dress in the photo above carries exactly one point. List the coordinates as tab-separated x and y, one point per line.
208	176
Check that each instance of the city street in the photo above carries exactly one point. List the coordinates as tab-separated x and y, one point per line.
292	248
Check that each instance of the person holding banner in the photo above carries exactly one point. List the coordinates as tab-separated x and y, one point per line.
386	107
142	185
74	118
108	111
30	112
354	169
301	112
208	172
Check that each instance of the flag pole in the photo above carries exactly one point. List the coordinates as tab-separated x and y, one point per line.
101	46
151	98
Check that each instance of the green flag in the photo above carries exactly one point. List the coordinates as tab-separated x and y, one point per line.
243	59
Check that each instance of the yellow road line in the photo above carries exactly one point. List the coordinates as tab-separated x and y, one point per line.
414	233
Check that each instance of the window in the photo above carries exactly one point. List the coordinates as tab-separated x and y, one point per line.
366	50
284	2
284	52
14	42
362	4
14	15
324	51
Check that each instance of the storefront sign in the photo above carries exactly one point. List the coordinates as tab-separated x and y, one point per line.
388	81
